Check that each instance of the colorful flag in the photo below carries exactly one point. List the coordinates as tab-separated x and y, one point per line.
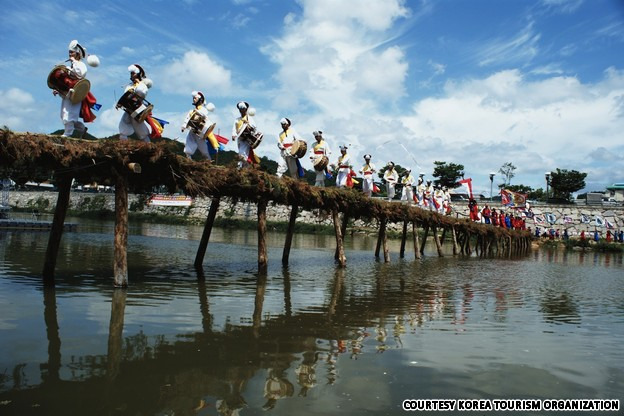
609	225
512	199
539	220
585	219
567	219
157	126
221	139
598	221
550	217
468	184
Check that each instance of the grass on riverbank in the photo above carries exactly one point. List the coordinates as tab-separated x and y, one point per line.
575	244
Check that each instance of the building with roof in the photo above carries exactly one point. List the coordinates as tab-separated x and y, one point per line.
615	192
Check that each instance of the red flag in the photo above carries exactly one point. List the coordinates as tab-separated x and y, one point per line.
221	139
157	128
468	184
85	108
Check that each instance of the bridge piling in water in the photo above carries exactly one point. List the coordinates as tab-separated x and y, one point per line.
56	232
120	262
205	238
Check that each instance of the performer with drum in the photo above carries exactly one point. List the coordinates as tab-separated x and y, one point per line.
428	196
420	190
391	177
407	194
446	204
74	73
138	87
367	172
240	125
343	167
194	141
286	139
320	158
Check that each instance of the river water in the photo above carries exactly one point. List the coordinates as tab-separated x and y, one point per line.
310	339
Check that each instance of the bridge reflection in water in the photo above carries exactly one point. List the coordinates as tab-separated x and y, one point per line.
308	339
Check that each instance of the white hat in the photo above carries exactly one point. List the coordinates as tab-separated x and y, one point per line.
92	60
198	94
317	133
74	46
242	105
137	69
367	156
343	147
285	121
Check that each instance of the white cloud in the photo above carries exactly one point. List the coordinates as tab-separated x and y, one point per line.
16	109
126	50
195	71
334	59
544	124
564	6
521	48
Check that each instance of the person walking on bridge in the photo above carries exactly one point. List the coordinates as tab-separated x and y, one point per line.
367	172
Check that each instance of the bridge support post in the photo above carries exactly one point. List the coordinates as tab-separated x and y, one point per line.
381	237
454	240
416	242
436	240
120	262
115	334
54	241
289	234
403	239
203	243
343	232
262	248
425	235
385	244
342	259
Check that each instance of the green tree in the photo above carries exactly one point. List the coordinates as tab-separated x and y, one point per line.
537	195
447	174
523	189
563	182
507	170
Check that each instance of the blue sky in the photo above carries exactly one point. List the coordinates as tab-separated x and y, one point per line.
538	83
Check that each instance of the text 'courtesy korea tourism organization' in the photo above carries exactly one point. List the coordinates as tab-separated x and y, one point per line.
511	405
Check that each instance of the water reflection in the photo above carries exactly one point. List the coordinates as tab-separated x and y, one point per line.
311	338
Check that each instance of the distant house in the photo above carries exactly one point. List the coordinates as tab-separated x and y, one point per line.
616	192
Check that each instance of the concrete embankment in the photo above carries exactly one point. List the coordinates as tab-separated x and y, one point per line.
565	216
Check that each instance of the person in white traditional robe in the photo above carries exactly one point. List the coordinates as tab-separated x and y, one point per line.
319	149
407	194
285	140
139	84
391	177
368	173
193	141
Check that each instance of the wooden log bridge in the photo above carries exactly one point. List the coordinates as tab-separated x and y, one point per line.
138	167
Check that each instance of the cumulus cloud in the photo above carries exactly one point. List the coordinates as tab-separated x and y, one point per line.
195	71
544	123
16	109
335	61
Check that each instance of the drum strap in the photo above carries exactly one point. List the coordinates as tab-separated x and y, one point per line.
240	122
283	135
